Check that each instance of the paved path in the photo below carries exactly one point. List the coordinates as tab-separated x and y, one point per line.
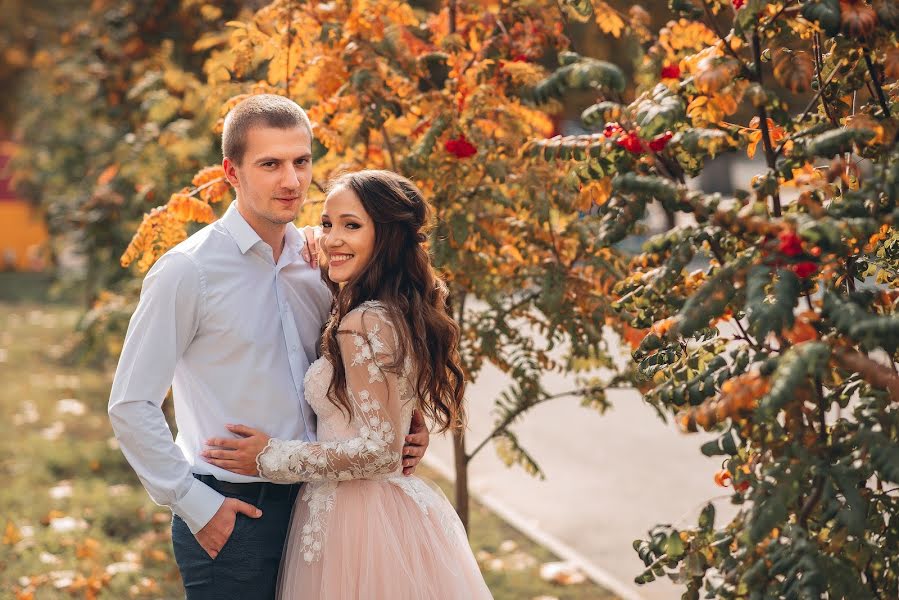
609	478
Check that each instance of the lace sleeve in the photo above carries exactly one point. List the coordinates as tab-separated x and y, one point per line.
367	344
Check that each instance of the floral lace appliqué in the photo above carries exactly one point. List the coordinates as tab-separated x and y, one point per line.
320	499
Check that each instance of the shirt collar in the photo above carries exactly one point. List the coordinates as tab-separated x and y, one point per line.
245	236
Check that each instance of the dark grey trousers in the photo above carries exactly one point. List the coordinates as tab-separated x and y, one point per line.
247	566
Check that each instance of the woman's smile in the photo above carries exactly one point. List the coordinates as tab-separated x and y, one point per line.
335	260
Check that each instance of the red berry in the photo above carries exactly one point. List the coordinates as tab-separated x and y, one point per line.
805	269
738	4
460	147
631	143
671	71
659	142
790	243
611	129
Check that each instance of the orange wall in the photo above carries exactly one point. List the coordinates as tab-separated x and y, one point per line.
21	229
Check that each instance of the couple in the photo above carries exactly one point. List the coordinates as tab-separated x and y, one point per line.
232	320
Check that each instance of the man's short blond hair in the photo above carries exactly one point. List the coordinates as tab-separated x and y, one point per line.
261	110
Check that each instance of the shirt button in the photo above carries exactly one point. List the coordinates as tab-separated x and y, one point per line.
294	347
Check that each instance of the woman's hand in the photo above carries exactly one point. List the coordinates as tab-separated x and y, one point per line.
236	455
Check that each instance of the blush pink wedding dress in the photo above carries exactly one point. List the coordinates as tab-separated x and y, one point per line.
360	529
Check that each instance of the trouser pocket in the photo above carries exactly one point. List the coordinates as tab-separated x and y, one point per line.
193	561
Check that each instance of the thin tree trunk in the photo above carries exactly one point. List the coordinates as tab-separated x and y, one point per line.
461	485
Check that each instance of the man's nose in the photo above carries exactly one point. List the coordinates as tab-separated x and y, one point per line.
290	179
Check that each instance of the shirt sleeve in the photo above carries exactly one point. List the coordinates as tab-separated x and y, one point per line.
368	348
162	327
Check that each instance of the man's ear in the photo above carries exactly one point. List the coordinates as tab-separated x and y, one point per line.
230	171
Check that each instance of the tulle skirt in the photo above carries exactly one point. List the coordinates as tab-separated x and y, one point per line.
396	538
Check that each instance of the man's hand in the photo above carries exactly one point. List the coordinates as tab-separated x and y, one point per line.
416	443
217	531
310	250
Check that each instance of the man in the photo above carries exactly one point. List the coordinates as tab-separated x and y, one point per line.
230	319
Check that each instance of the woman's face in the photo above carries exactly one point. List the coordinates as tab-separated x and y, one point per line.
348	237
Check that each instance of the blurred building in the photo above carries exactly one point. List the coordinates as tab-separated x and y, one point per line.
23	234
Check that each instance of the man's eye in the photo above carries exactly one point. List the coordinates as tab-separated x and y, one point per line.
268	164
302	161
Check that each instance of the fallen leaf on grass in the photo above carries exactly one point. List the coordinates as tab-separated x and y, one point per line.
27	415
62	490
11	534
562	573
122	567
53	432
71	406
67	524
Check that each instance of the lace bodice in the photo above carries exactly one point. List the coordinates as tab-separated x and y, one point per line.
368	446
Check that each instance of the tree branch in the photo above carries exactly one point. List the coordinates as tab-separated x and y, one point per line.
881	98
770	157
876	374
502	425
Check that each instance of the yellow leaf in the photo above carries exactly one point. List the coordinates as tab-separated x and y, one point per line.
11	535
608	19
108	174
210	40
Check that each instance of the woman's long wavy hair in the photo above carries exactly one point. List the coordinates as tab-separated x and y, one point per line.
400	276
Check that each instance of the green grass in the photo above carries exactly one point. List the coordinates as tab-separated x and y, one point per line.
117	527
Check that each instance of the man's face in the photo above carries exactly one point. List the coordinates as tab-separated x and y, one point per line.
274	176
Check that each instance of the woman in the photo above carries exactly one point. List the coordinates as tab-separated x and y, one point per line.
361	529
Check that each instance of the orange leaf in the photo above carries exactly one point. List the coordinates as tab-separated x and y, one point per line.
108	174
794	70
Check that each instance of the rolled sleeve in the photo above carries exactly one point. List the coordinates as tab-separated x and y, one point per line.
161	329
198	505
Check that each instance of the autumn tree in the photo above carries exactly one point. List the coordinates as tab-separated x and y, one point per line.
107	113
448	98
784	341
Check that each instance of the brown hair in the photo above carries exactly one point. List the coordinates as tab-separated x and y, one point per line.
401	277
261	110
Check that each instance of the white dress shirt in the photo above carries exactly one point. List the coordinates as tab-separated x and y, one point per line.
232	333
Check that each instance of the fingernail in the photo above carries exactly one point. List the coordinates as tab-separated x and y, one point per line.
258	513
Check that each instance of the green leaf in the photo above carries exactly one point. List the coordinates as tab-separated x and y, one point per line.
869	330
511	453
771	312
794	368
824	12
582	74
674	545
837	141
658	111
579	10
601	113
707	517
647	187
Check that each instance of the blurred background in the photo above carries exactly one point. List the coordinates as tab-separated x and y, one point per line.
102	116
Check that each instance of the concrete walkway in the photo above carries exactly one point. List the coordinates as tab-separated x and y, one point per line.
609	478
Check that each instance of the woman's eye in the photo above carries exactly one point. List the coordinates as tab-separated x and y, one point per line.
326	225
352	226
